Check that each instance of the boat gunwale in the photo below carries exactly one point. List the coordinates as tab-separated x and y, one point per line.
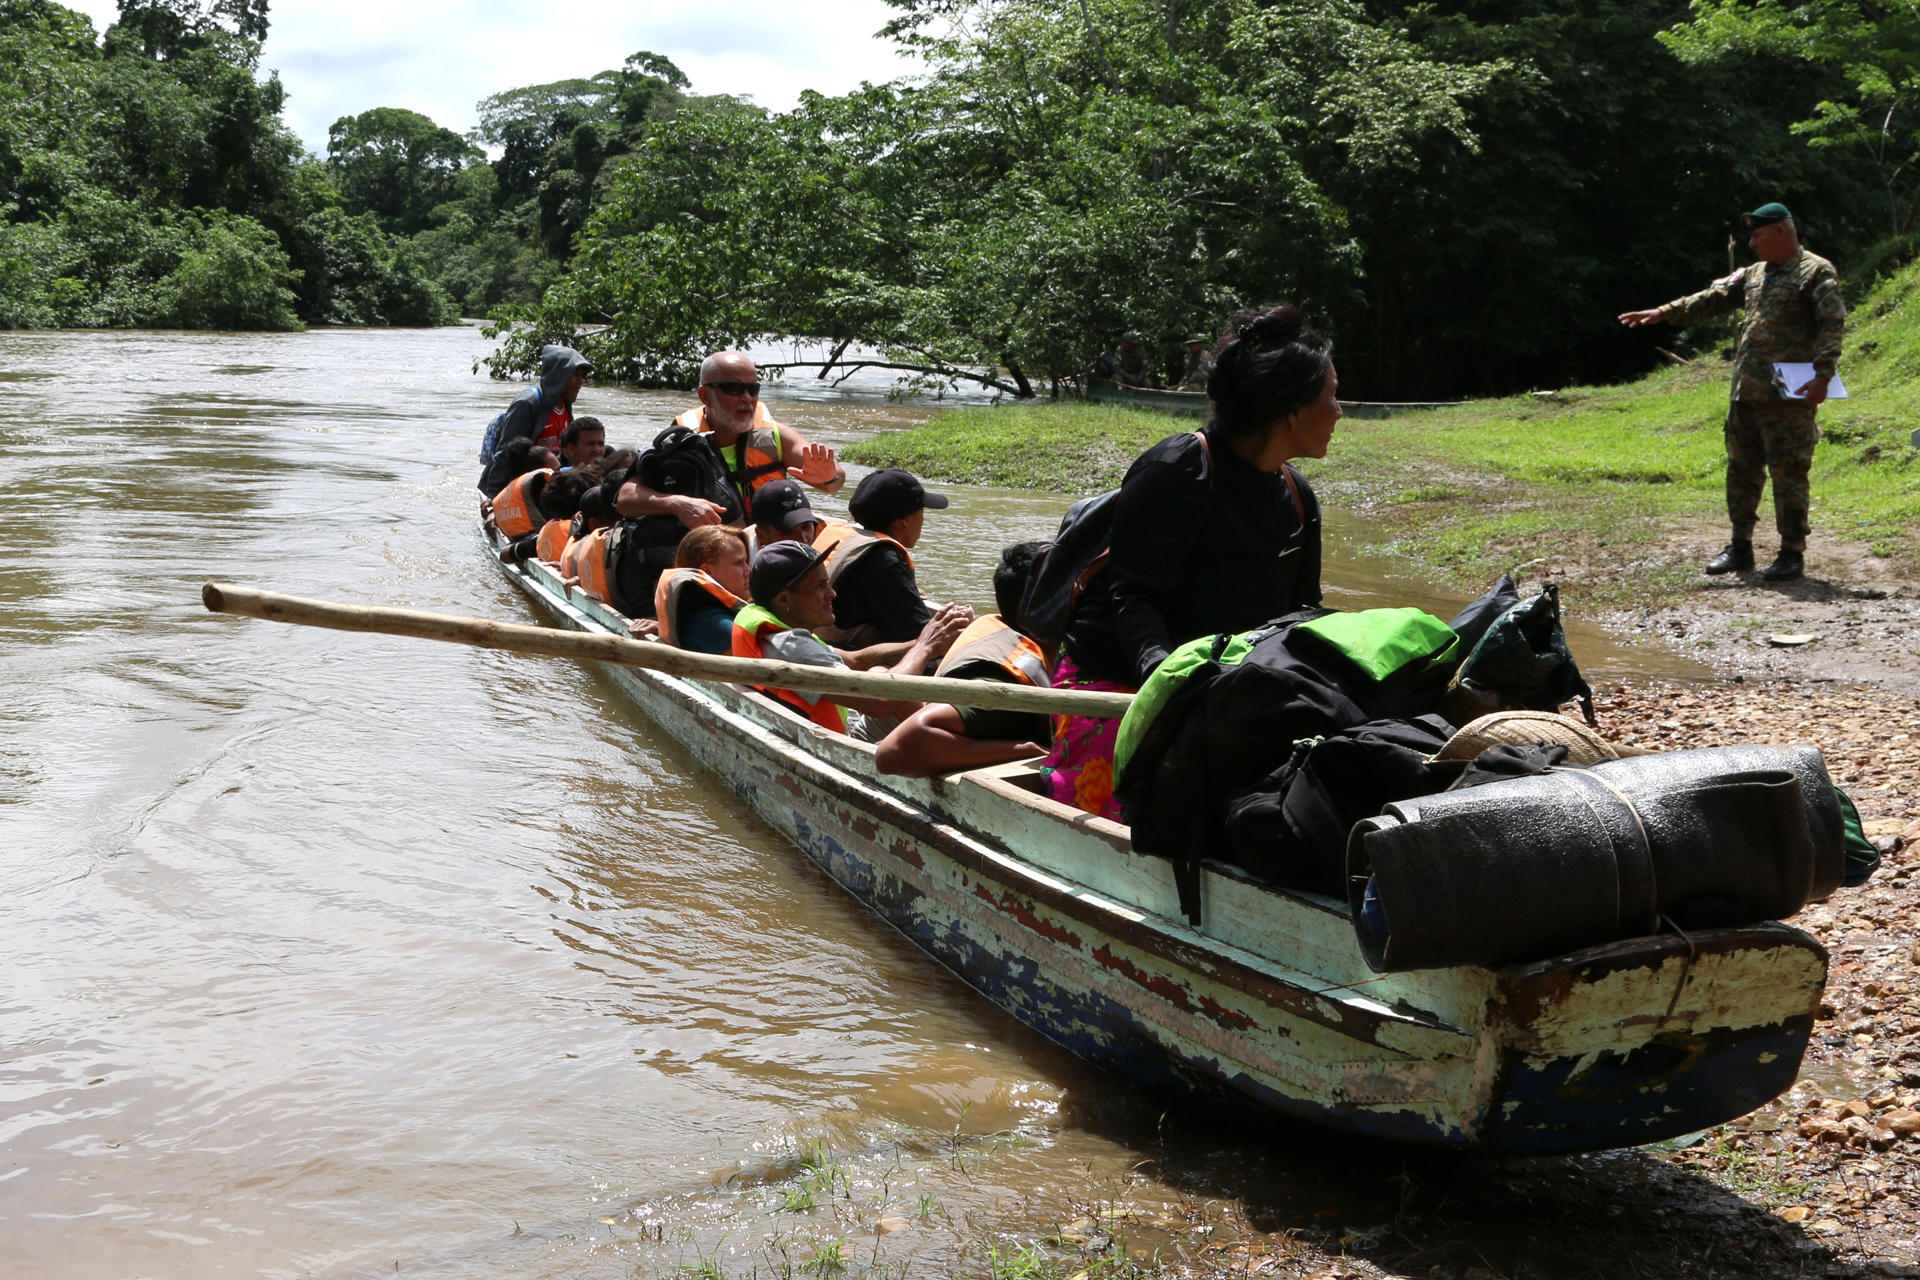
1176	941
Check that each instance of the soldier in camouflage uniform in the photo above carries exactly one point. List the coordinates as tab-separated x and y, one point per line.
1793	315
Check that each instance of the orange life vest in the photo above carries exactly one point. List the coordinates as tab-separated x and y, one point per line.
516	508
753	459
989	642
751	627
844	544
671	593
554	537
586	559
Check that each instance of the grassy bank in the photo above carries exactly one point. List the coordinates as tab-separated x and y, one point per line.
1620	489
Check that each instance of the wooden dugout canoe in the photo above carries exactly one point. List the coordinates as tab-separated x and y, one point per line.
1049	913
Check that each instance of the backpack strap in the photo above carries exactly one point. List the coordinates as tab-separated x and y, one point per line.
1293	491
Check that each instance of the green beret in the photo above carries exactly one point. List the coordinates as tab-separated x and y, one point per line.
1765	216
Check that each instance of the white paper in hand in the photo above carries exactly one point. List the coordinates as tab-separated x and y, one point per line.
1792	380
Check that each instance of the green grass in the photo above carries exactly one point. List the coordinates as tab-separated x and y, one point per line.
1620	487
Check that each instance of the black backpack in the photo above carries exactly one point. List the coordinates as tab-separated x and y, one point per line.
1291	827
638	552
1077	555
682	461
1073	559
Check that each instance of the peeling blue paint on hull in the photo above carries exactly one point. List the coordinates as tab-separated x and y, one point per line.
1674	1086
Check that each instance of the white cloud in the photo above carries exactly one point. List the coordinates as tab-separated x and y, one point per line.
440	57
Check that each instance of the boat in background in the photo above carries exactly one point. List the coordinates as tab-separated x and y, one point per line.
1048	913
1194	404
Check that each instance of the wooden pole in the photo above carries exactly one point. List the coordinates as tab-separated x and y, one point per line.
549	642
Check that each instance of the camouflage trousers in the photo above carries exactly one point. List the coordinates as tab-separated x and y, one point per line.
1770	439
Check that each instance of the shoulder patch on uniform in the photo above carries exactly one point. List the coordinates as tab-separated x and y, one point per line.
1727	282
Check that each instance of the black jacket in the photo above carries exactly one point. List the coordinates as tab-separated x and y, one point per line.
1203	543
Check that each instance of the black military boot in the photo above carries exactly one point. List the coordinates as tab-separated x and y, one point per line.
1789	564
1736	558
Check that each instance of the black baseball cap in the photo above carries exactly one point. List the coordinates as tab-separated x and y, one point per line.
892	494
778	567
782	504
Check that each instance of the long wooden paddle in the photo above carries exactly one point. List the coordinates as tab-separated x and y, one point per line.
548	642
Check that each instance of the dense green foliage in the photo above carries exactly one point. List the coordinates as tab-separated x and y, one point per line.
1466	192
146	179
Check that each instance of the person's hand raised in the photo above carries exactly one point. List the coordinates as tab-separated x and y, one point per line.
819	465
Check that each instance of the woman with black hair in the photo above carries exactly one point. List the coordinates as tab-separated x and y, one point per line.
1213	532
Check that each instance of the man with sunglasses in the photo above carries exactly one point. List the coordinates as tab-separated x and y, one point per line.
754	448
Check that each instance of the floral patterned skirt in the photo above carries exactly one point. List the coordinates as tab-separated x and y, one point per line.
1079	769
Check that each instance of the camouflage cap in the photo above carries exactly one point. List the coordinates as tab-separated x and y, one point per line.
1765	216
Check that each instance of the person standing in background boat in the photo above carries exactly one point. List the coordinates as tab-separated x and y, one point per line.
1213	532
1194	378
792	600
754	449
541	413
1794	315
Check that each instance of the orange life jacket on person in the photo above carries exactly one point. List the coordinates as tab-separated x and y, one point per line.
586	559
554	537
844	544
672	593
989	643
516	508
753	459
751	627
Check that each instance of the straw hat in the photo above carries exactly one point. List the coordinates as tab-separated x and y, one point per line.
1528	729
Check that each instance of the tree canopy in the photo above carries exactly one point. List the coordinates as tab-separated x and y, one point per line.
1463	192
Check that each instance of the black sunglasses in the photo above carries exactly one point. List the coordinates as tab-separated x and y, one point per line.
735	388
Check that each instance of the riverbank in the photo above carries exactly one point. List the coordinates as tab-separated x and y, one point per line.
1615	493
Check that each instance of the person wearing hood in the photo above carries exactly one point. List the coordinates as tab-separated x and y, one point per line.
541	413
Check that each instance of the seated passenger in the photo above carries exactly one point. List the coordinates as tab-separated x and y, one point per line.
939	738
515	510
781	513
696	600
876	597
791	599
583	441
558	505
583	563
1214	532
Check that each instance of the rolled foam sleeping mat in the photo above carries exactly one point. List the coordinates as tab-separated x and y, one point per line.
1533	867
1822	803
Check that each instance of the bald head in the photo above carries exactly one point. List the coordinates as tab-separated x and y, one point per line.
727	366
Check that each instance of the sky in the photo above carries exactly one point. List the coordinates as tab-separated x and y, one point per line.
440	57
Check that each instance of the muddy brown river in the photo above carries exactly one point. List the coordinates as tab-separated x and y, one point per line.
329	955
